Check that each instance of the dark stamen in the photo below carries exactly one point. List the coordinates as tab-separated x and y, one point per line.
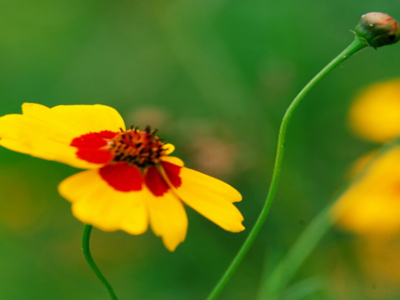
141	148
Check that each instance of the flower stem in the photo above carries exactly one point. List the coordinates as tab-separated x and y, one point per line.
87	229
310	237
297	255
354	47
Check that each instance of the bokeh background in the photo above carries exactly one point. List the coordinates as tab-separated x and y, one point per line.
215	76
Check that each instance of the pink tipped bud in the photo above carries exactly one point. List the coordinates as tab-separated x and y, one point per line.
378	29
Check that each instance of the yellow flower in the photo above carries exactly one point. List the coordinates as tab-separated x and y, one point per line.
375	113
130	182
371	206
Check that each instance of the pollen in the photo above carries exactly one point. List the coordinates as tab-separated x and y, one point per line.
139	147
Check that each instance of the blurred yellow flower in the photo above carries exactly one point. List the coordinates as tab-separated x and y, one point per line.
380	261
375	113
130	182
371	205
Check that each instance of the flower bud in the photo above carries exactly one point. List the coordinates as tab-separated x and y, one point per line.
378	29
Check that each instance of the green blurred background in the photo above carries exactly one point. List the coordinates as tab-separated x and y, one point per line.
215	76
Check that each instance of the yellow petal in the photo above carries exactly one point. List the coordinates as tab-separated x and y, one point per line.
167	218
371	205
210	185
172	160
169	148
375	113
369	215
46	149
76	119
47	132
94	202
212	198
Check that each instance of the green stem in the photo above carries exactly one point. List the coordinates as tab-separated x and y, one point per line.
87	229
310	237
297	255
355	46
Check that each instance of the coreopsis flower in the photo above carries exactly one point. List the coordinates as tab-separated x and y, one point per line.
371	206
130	180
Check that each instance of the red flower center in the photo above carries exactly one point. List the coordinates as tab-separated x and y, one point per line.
141	148
130	158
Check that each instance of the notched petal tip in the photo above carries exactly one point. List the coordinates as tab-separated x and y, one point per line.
48	132
94	202
168	218
211	198
171	245
33	108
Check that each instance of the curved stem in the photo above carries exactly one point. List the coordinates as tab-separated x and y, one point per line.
355	46
310	237
87	229
297	254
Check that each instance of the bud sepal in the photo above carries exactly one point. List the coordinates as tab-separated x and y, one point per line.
377	29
